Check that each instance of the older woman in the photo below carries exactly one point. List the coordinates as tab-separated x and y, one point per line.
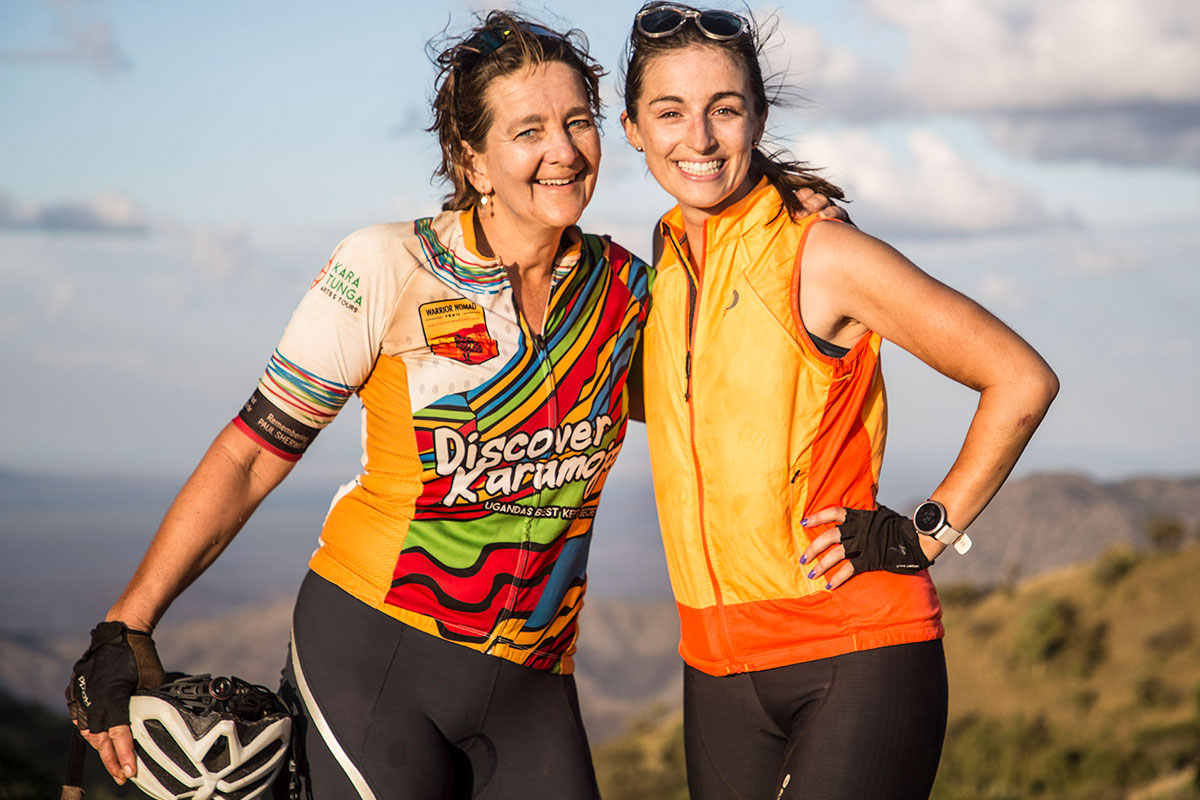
489	344
810	630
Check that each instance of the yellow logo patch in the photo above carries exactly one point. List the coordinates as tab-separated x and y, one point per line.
457	329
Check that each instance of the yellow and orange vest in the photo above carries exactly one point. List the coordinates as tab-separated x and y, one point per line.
751	429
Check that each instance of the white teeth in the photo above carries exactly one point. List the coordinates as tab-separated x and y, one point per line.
701	167
555	182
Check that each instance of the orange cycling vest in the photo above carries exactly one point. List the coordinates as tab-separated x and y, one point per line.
751	429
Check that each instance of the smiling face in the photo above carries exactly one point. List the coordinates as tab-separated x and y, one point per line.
541	155
697	124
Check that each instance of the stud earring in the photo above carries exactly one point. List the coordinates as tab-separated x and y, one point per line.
640	150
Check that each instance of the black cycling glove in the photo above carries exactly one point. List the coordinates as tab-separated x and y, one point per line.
882	539
119	661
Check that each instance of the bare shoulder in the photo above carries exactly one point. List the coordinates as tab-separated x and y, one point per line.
839	246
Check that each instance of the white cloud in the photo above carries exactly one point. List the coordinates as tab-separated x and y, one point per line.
1091	261
1024	54
836	78
218	252
103	213
928	189
1108	80
62	292
1000	293
89	43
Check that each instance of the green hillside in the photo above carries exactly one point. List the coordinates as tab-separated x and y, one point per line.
1081	683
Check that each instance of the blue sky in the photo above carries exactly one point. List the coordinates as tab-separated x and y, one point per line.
172	175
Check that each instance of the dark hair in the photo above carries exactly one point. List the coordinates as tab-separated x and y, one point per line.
503	43
785	174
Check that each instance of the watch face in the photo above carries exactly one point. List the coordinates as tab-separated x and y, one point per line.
928	517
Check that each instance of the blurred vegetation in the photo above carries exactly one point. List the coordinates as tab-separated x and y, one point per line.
1079	683
1164	533
33	756
1115	563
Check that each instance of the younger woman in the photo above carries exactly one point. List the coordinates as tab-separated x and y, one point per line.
766	416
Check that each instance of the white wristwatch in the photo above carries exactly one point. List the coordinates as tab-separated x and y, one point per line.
930	520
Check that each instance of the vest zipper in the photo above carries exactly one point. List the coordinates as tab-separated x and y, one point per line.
693	301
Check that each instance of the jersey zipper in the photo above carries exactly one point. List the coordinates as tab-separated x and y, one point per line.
538	340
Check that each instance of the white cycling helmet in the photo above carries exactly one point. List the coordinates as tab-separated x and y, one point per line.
200	737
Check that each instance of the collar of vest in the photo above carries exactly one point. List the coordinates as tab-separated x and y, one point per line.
756	208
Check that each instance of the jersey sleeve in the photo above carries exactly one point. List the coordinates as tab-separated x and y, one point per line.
328	348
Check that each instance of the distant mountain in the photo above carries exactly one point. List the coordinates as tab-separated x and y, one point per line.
1053	520
627	651
626	659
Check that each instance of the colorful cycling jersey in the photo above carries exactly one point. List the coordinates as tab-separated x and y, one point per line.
486	444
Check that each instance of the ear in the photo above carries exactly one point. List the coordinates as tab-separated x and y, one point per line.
631	130
475	169
762	128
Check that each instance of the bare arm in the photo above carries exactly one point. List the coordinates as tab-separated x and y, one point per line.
232	478
855	283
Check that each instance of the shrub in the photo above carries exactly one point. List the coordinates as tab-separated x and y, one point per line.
1164	533
1083	699
962	594
1171	639
1114	564
1044	631
1152	691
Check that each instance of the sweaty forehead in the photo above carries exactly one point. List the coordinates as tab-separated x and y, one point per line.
535	89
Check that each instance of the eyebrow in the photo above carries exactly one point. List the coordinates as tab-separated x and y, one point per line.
537	119
670	98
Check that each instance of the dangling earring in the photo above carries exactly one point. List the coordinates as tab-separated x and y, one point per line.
483	200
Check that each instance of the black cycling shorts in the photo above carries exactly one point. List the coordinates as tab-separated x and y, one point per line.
387	711
861	725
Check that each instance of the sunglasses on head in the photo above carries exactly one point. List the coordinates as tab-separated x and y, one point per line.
660	21
488	40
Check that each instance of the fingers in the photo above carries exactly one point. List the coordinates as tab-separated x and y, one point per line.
810	201
833	514
115	747
825	552
122	739
819	545
833	211
839	575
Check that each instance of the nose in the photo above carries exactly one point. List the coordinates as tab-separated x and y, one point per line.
700	136
560	148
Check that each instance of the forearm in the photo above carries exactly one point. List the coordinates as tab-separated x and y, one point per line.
231	480
1004	421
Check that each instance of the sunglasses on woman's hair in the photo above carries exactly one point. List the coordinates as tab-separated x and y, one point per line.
659	21
488	40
